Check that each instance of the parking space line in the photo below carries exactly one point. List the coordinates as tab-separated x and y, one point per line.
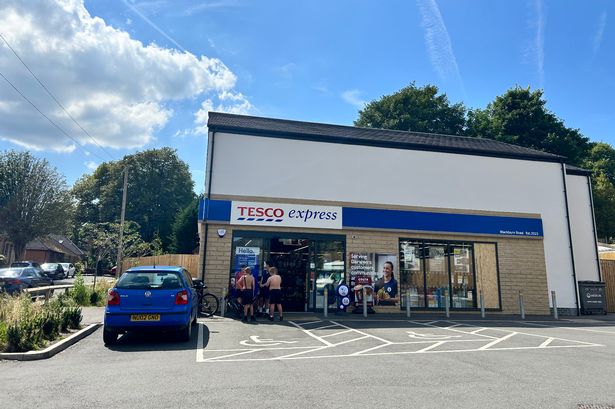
337	333
324	341
497	341
350	340
299	353
369	349
546	336
432	346
324	327
236	354
311	322
199	345
577	329
263	349
452	329
363	333
547	342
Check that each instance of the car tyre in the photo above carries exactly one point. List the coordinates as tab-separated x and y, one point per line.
186	333
194	319
109	337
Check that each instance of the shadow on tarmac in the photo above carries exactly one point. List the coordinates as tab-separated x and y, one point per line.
159	341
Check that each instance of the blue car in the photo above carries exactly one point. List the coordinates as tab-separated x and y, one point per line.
151	298
14	280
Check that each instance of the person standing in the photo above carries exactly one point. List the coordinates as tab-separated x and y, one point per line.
274	284
386	287
263	294
247	294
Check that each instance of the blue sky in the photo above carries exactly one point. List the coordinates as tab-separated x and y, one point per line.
142	74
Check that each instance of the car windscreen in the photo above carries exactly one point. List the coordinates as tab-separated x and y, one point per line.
10	272
49	266
150	280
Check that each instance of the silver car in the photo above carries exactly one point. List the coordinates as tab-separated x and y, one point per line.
69	269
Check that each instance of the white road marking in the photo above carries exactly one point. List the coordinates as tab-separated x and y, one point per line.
199	345
577	329
257	342
433	337
452	329
547	342
497	341
350	340
337	333
324	341
432	346
363	333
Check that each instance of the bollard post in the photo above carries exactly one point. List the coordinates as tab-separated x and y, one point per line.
326	302
482	304
364	303
554	301
446	307
223	307
408	304
521	306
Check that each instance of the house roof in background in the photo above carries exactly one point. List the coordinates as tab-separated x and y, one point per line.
56	243
282	128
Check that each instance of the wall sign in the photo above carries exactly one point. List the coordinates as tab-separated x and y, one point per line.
287	215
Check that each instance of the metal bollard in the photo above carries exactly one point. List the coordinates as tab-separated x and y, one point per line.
446	306
408	305
482	304
325	307
521	305
223	302
554	301
364	303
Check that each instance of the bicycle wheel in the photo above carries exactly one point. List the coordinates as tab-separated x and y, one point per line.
209	305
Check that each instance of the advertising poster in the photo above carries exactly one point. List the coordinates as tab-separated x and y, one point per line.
375	272
246	256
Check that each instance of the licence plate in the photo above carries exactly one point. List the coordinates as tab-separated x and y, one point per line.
145	317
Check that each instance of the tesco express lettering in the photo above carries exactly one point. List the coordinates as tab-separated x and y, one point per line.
305	215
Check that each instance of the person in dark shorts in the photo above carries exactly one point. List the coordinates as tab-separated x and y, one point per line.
274	283
247	294
263	294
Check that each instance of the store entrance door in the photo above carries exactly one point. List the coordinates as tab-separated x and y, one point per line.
291	257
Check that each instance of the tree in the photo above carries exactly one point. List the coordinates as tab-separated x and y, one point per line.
159	187
520	117
185	237
414	109
99	240
34	199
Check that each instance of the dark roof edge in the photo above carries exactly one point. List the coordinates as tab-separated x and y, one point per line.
577	171
381	144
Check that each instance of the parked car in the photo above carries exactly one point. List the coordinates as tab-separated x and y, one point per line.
16	279
25	263
69	268
151	298
54	271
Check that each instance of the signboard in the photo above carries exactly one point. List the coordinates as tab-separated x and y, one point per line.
368	270
287	215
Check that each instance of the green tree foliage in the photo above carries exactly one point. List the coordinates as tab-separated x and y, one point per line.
601	161
414	109
520	117
185	237
100	242
159	187
34	199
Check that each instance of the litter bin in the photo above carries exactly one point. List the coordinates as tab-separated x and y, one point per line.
591	294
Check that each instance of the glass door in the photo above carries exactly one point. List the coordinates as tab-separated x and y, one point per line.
463	290
327	272
436	274
411	274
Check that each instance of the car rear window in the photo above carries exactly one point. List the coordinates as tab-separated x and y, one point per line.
150	280
10	272
18	264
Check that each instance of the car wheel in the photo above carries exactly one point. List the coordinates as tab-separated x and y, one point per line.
109	337
186	333
194	319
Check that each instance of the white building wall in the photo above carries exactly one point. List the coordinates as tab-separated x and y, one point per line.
283	168
581	223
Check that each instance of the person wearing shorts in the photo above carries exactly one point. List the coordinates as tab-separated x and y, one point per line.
247	294
274	283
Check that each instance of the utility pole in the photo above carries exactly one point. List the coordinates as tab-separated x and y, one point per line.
118	269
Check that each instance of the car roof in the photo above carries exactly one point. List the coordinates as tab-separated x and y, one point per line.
177	269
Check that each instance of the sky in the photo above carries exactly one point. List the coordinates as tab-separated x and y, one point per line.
86	82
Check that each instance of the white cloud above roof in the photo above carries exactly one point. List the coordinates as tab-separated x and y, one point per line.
115	86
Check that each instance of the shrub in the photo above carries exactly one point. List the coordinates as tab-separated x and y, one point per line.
3	336
79	292
75	317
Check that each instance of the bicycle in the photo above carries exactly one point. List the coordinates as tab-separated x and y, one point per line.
208	302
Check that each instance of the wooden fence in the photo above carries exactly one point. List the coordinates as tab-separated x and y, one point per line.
189	261
608	276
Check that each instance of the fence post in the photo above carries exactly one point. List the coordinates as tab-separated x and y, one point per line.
482	304
364	302
446	307
408	304
223	302
326	302
521	305
554	301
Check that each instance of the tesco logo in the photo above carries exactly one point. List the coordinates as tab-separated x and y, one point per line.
246	211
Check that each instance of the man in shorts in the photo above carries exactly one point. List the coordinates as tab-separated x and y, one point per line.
274	283
247	294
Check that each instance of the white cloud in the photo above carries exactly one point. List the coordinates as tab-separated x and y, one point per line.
438	42
535	51
599	33
352	97
91	165
239	105
113	85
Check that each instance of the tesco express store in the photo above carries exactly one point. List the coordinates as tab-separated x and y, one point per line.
419	218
